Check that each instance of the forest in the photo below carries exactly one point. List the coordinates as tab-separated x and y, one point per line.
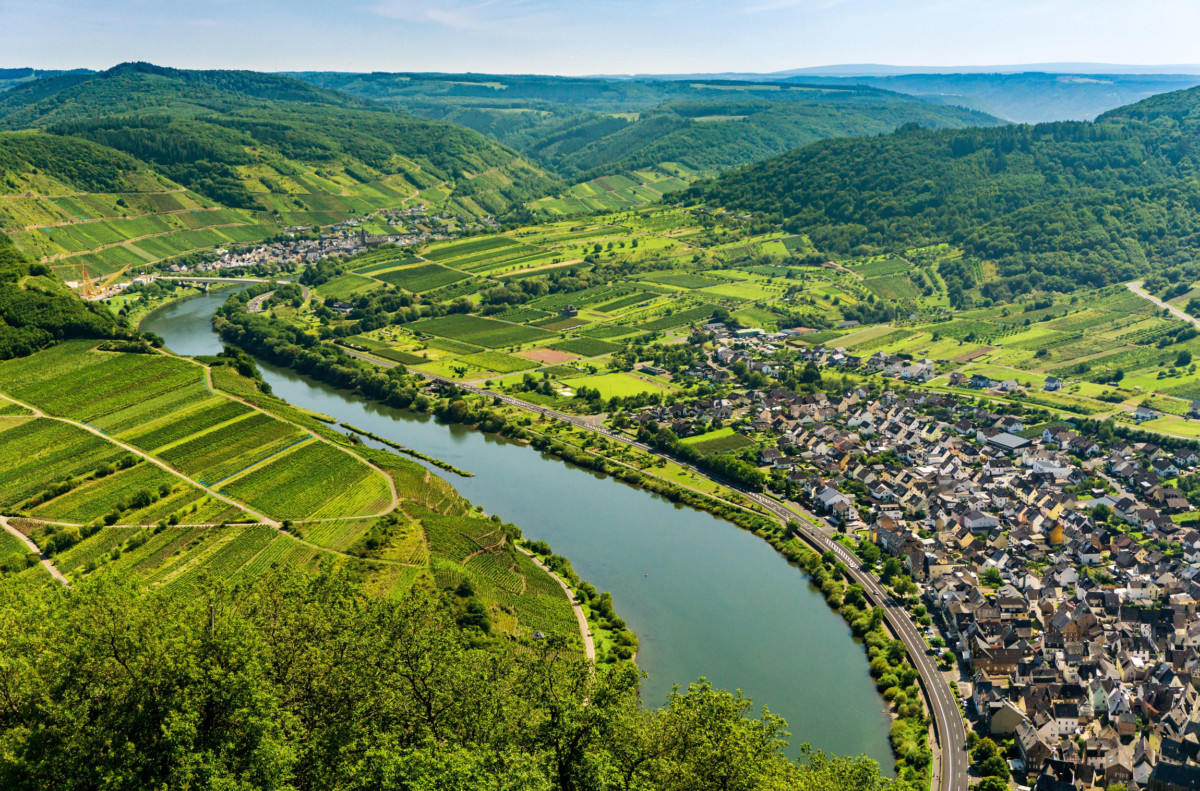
300	681
36	309
1054	206
585	127
197	127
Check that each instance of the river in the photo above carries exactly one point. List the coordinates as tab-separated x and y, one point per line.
704	597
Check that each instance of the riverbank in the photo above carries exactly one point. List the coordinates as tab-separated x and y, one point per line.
507	416
704	600
416	454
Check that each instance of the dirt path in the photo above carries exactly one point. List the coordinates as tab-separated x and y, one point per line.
156	462
395	503
24	539
589	646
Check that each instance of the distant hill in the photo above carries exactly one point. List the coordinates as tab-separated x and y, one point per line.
1052	206
268	142
586	127
1027	97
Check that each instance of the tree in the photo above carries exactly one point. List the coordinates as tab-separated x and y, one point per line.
991	784
991	577
299	682
1183	359
891	567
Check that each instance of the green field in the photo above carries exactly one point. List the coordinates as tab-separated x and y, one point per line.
480	331
422	277
720	441
616	384
585	347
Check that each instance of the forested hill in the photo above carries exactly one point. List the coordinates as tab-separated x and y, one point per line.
269	142
583	127
36	309
1053	206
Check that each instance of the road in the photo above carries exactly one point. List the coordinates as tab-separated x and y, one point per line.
1136	287
951	767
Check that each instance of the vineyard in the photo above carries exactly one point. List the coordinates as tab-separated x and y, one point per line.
313	481
141	485
110	390
37	453
218	454
171	428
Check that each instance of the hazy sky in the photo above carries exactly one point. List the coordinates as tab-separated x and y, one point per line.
592	36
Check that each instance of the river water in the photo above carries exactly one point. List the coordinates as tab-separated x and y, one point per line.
704	597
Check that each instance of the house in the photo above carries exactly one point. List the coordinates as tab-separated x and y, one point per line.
569	312
980	381
1052	383
1145	413
1009	443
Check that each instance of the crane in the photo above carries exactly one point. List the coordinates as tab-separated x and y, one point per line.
87	286
94	289
113	278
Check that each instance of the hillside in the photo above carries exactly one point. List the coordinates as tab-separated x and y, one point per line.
655	134
1052	206
36	309
266	151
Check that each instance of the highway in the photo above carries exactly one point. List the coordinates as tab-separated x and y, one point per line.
950	770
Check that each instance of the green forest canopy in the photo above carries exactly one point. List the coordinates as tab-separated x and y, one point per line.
197	127
299	681
584	127
1056	206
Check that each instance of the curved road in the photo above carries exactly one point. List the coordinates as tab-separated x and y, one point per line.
950	770
1136	287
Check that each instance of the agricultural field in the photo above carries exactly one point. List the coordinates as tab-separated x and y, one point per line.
480	331
313	481
347	286
214	455
617	384
36	453
422	277
111	391
723	440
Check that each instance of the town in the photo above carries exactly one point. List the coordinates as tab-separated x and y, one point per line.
1057	569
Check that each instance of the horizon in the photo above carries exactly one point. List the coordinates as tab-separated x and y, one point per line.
847	70
568	39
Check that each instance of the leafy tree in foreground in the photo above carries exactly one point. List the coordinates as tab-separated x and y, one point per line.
300	681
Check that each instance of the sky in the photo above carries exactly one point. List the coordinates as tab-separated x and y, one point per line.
575	37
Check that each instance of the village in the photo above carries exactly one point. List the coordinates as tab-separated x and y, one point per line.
345	238
1057	570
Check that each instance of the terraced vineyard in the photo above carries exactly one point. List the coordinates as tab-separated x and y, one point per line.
313	481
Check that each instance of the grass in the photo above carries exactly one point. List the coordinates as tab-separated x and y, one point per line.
615	384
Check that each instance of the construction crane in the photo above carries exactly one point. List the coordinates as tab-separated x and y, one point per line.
91	289
113	278
86	286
